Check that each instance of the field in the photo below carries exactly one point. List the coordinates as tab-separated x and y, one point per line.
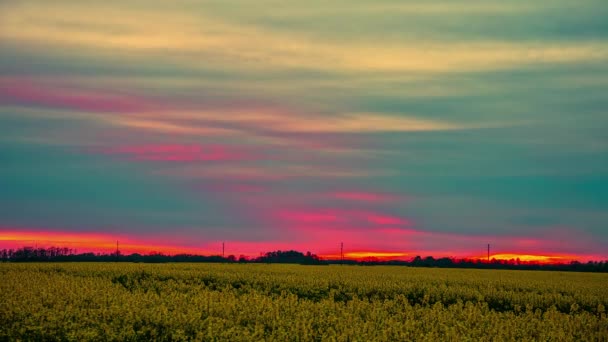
142	302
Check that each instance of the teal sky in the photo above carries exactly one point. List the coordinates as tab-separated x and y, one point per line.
396	127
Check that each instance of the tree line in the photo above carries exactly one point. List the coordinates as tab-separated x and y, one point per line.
57	254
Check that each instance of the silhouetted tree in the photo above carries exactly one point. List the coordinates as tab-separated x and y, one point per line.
26	254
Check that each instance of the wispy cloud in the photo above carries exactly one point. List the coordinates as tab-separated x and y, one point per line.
196	38
179	153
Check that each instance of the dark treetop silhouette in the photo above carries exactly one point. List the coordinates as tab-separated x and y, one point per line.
56	254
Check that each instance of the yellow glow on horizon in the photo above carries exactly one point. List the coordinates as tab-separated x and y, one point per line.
375	254
99	242
539	258
367	254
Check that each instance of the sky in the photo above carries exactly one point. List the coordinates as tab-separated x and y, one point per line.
399	128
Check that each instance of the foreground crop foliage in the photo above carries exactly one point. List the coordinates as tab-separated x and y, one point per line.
142	302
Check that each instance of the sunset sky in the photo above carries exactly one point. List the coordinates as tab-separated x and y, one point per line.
399	128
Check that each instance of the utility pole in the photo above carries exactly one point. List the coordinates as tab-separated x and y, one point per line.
488	253
223	249
342	252
117	248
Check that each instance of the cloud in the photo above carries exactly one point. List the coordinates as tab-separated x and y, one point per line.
168	127
189	39
338	218
25	91
271	172
359	196
220	119
364	122
286	121
402	7
179	153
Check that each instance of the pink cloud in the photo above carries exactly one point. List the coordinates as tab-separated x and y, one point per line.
170	114
385	219
19	91
339	217
322	221
310	217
